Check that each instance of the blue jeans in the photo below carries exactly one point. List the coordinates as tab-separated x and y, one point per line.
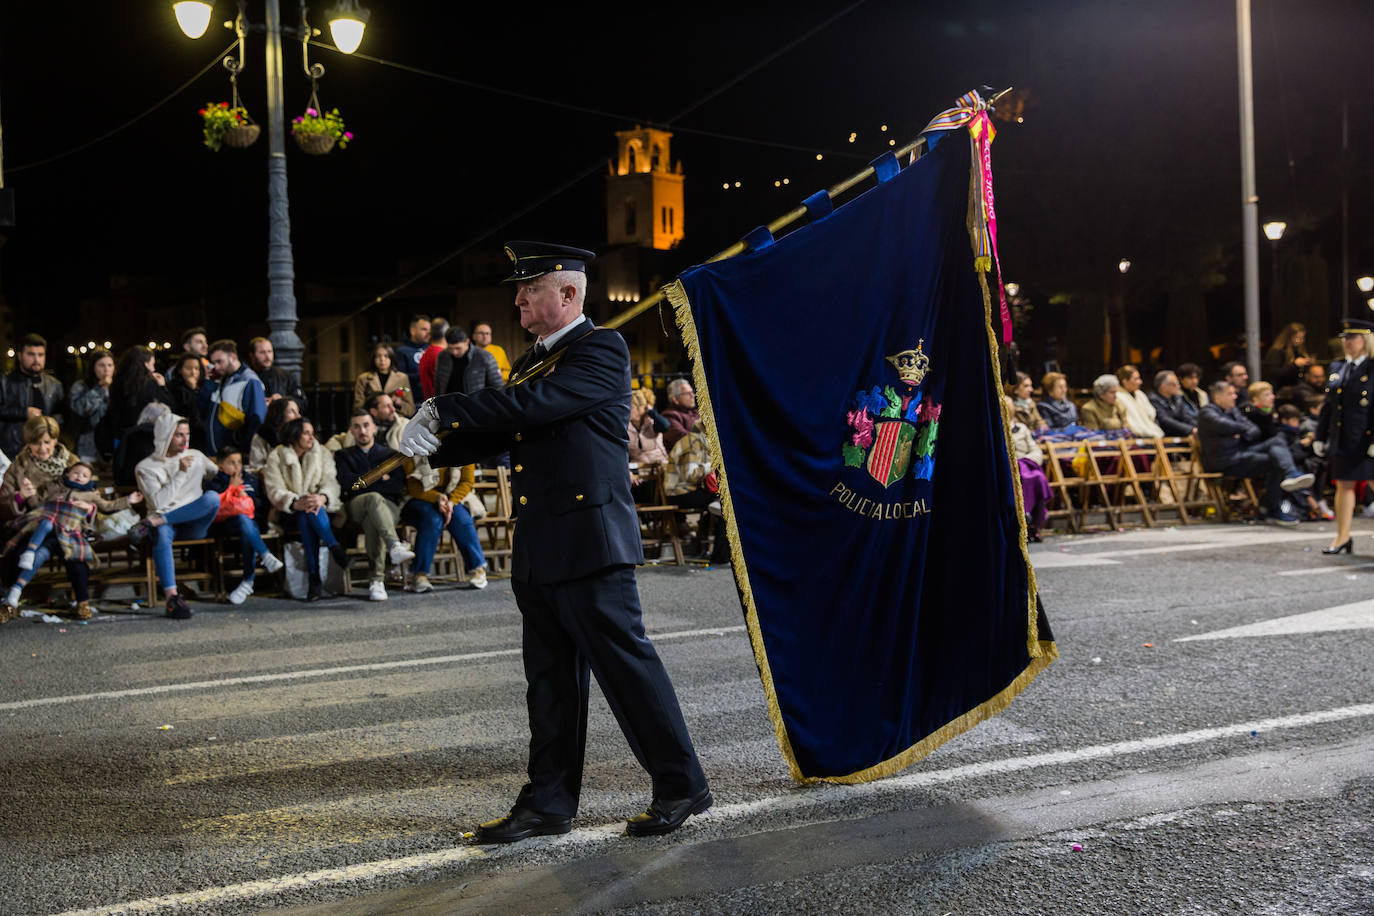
41	553
315	530
186	523
40	534
250	539
429	525
1270	459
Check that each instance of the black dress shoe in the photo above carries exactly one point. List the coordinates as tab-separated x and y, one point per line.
666	816
521	824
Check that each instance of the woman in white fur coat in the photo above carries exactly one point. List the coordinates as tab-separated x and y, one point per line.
302	484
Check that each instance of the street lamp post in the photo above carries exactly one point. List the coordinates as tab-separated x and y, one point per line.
194	16
1273	231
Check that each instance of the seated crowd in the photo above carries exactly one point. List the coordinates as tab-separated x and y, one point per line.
212	446
1242	429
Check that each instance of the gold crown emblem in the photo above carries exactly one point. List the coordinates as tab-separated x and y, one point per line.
911	365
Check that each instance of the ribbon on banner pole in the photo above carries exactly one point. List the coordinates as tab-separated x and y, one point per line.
971	111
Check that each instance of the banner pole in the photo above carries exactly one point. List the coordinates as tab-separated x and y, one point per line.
782	222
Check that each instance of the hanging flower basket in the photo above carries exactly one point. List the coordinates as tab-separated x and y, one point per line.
242	135
221	124
317	132
315	144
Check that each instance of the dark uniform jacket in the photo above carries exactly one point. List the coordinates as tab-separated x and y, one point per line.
1345	423
566	426
1224	435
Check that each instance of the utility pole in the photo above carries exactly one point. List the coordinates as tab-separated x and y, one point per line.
1249	201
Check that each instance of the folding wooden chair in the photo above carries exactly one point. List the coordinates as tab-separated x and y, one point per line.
1172	454
1130	492
1064	485
658	521
1103	485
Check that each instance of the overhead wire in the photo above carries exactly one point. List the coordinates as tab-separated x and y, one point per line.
596	166
132	121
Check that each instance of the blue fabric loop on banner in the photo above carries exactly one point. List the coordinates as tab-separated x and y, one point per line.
886	166
819	205
759	239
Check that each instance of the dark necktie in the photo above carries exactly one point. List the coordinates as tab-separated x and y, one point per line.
540	351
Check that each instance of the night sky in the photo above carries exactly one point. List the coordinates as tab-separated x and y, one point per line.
1129	147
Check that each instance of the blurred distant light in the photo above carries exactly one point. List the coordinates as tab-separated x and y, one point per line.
1365	284
726	186
1124	265
193	16
1274	231
83	349
787	181
152	345
1368	302
166	345
1013	289
777	184
883	128
892	143
1020	120
71	349
108	345
9	352
91	344
853	137
737	184
346	24
819	157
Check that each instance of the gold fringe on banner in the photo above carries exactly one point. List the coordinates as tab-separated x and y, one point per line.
1041	652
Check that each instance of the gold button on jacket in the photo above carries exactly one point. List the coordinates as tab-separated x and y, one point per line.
523	500
518	468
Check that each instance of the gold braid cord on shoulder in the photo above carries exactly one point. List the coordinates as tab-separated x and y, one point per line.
1041	652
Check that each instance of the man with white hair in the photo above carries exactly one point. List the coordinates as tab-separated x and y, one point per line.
681	413
564	416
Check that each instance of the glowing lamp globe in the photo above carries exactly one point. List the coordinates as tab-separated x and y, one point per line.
346	24
193	16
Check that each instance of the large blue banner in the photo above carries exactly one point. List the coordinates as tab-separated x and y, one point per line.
848	382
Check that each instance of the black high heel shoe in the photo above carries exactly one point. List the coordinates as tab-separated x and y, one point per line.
1347	547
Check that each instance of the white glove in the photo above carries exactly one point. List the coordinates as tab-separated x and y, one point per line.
418	439
1319	449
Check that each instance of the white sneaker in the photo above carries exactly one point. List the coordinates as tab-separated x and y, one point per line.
26	560
271	563
400	553
241	593
376	591
1367	511
422	585
12	599
478	577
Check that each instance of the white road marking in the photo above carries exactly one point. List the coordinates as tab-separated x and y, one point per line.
1188	541
808	798
305	673
1321	570
1357	616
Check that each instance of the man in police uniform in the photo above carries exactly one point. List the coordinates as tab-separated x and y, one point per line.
564	417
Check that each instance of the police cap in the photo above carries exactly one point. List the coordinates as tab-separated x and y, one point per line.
1356	326
534	259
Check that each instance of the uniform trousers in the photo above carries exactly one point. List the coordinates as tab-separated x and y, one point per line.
594	624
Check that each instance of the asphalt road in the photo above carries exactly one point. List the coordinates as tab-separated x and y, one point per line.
330	758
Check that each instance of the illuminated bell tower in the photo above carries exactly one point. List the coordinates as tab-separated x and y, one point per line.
644	192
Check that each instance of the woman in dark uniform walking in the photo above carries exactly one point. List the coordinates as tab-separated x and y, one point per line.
1345	431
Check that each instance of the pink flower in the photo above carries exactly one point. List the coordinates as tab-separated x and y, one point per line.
312	112
863	427
348	135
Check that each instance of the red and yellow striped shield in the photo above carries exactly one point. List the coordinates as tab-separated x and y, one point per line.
891	452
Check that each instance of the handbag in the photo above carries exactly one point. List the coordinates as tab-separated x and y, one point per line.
473	503
332	575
